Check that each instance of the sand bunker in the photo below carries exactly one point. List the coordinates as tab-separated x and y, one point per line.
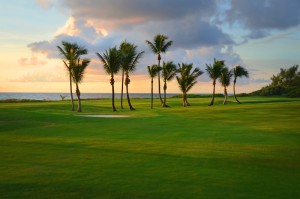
105	116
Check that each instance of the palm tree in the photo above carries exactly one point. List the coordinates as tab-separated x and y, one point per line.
187	79
225	79
158	46
70	53
111	60
77	76
214	71
168	73
129	59
152	71
238	71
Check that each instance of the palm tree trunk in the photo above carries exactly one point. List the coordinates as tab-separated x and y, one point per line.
225	96
213	95
78	97
71	92
112	82
122	89
152	93
165	94
127	82
184	100
234	82
158	74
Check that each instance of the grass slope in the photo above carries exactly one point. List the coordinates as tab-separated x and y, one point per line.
250	150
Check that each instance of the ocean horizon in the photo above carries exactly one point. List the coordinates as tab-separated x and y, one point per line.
59	96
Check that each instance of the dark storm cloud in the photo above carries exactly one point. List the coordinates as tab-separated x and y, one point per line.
261	16
192	34
150	10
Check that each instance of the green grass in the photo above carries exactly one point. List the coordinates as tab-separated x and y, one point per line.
250	150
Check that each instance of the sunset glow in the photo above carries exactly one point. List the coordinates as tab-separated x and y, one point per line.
201	30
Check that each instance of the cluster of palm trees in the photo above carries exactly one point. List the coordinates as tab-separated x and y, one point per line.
186	79
75	65
218	70
126	58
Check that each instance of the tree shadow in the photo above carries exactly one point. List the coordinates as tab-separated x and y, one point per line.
269	101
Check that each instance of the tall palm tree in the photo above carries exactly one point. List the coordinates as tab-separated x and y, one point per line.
70	53
77	76
152	71
238	71
187	80
158	46
169	71
214	72
129	60
225	79
111	60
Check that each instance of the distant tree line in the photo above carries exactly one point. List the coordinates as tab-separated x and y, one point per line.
125	58
285	83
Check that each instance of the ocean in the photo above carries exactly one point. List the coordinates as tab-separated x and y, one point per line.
58	96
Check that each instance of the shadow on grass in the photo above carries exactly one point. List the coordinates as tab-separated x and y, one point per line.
269	101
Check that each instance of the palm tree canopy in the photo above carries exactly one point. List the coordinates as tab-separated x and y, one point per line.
239	71
159	44
214	71
187	78
225	77
78	69
71	52
111	60
153	70
169	71
129	56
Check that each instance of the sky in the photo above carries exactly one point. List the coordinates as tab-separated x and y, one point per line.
261	35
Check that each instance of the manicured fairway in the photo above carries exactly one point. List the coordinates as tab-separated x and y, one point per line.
250	150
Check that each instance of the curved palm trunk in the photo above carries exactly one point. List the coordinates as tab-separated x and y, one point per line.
127	82
152	93
71	92
122	89
158	74
78	97
225	96
234	82
213	95
165	94
112	82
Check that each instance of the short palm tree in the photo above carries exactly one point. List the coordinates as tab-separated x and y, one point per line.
238	71
77	76
214	72
111	60
169	71
158	46
70	53
129	60
187	80
225	79
152	71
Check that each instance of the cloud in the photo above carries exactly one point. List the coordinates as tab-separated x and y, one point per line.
263	16
133	11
